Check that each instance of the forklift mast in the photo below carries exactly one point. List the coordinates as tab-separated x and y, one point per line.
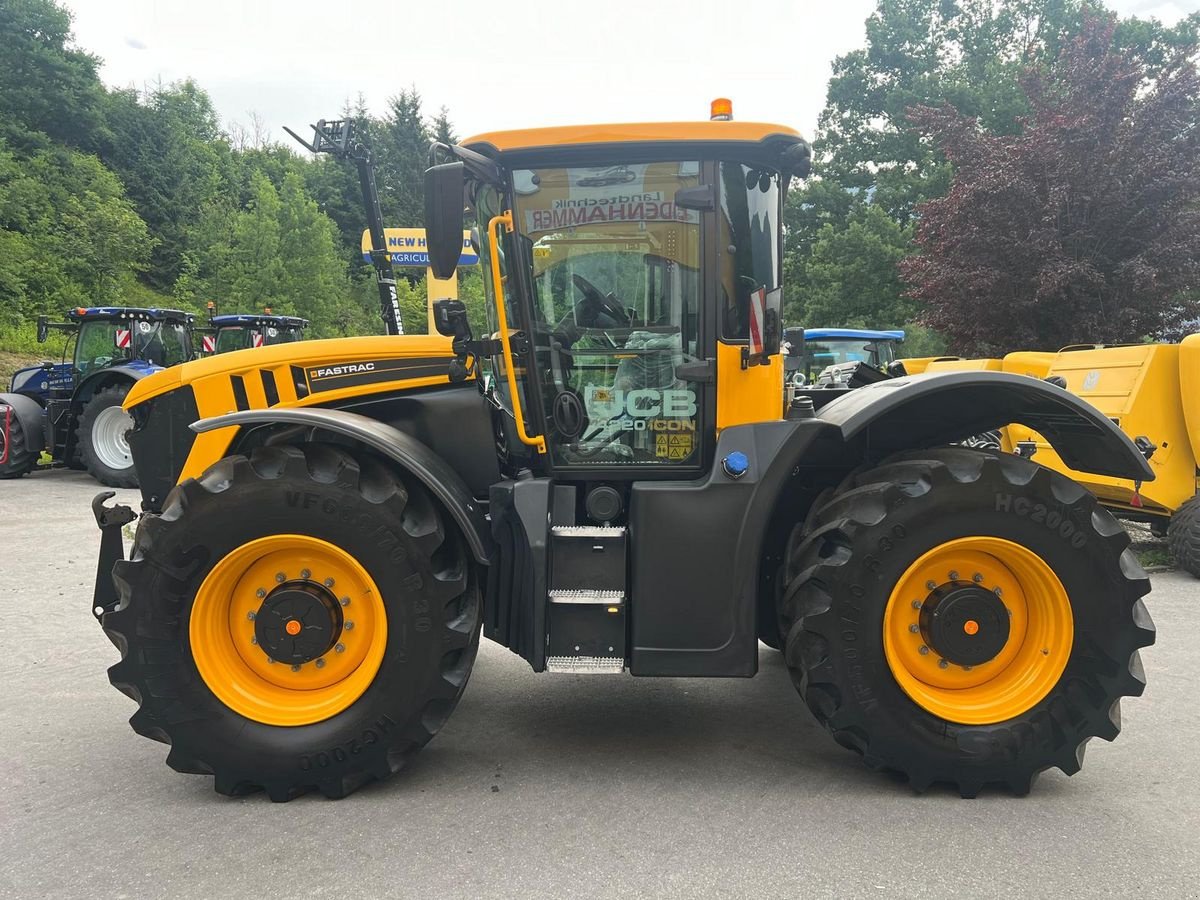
337	139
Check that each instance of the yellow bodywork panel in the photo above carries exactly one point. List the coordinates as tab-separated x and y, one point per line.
753	394
1141	388
1189	389
915	365
1034	363
965	365
305	373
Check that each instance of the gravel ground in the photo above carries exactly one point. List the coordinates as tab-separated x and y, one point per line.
547	786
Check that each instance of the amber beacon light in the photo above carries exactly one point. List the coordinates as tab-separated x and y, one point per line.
721	110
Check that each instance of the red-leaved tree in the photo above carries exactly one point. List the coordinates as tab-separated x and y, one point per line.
1085	226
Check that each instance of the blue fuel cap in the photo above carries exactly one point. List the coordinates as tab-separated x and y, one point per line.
735	464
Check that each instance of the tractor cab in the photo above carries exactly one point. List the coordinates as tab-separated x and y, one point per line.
243	331
102	337
634	284
843	348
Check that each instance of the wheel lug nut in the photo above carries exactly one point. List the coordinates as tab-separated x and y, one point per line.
280	577
328	582
254	640
917	604
304	573
914	628
340	648
977	577
953	575
924	651
967	668
260	593
345	601
930	584
349	626
320	663
296	668
942	664
270	661
998	592
250	615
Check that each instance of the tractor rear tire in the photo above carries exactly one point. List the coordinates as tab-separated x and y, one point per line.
404	577
1048	569
101	440
20	459
1183	536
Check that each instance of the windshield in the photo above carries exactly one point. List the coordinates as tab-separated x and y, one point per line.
616	307
105	342
242	337
818	355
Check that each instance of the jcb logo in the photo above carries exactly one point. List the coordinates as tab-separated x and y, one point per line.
644	403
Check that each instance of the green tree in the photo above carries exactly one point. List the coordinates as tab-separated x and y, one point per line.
167	148
970	53
68	235
46	84
853	277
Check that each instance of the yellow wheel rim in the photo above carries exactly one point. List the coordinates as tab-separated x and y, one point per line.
237	669
1028	661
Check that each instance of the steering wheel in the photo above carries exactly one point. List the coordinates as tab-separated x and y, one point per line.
598	302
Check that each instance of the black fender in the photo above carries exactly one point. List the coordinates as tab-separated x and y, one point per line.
29	413
406	451
930	410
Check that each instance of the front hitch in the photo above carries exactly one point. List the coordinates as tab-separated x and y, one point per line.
112	550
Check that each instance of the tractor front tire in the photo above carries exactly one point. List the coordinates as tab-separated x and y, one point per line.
14	450
966	617
101	438
1183	536
299	619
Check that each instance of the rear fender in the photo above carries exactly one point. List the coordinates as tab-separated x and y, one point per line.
29	413
410	454
931	410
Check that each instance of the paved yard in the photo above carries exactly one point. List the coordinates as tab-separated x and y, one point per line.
553	786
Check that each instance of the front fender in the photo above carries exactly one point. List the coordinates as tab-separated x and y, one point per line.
102	378
929	410
408	452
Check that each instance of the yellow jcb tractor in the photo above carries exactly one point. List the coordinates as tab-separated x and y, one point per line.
607	483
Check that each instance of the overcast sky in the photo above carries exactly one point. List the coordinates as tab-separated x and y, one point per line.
493	65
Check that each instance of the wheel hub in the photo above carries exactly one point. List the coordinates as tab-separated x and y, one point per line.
299	621
964	623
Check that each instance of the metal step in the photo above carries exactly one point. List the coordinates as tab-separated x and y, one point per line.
588	598
588	531
585	665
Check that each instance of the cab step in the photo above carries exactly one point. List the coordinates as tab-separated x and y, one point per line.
585	665
586	615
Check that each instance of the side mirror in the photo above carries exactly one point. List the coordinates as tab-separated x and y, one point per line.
772	332
444	217
450	318
43	329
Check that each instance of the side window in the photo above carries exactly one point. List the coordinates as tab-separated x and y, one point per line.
751	257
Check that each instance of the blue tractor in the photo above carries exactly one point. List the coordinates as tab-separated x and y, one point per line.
244	331
842	348
72	410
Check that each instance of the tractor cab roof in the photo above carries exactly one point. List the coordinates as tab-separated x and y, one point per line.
118	313
851	334
232	320
745	138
